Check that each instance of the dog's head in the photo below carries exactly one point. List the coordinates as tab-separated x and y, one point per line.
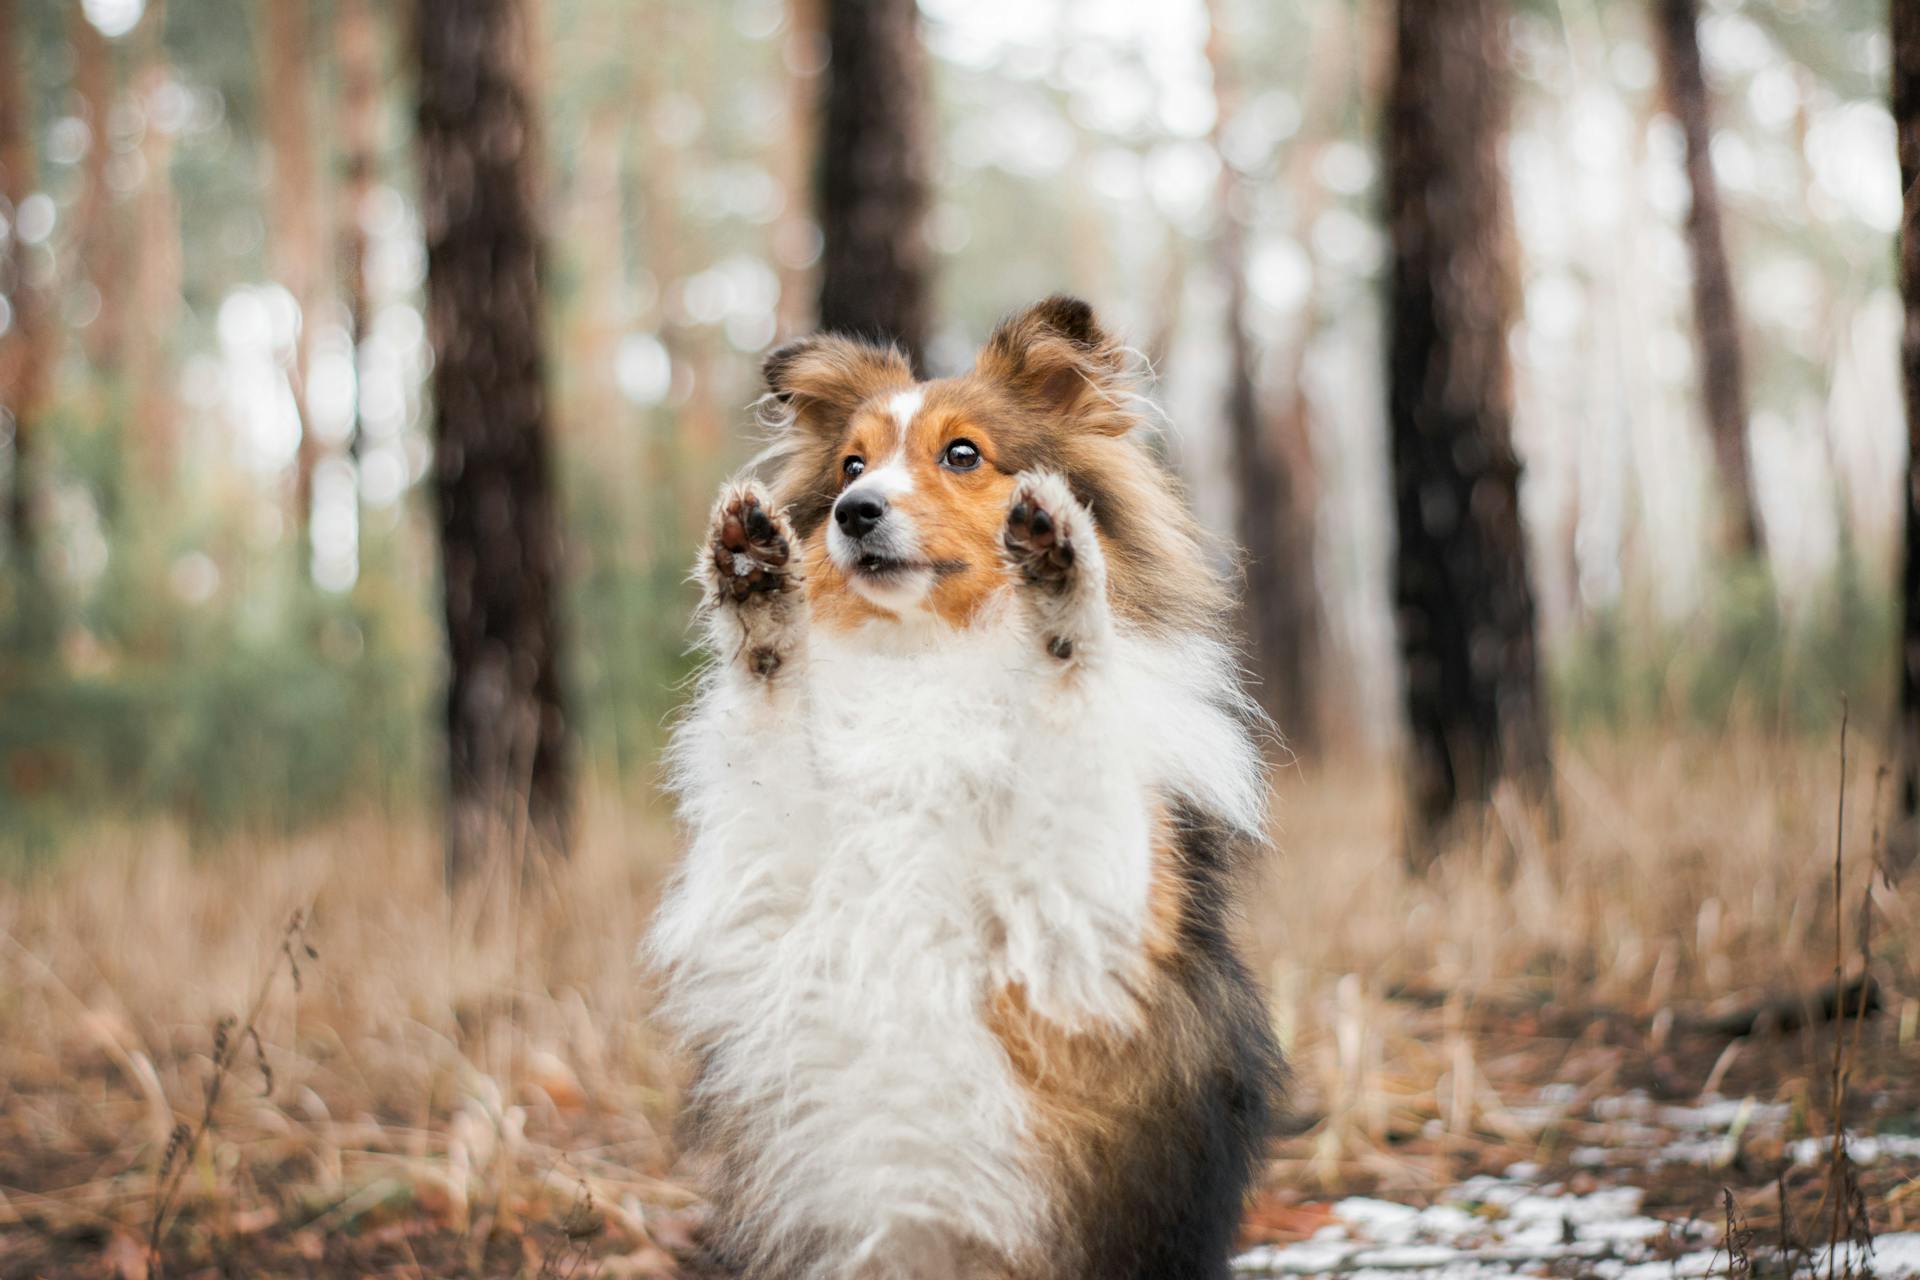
899	488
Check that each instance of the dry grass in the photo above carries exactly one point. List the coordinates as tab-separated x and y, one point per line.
1687	877
479	1088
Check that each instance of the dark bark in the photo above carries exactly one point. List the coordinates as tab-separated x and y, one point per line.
1273	519
1716	313
875	262
357	57
25	350
1464	606
1275	534
1906	115
509	758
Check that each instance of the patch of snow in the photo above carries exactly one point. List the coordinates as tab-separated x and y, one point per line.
1624	1230
1711	1152
1703	1263
1861	1150
1715	1112
1490	1227
1894	1257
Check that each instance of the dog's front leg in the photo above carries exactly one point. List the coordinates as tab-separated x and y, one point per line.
1068	900
1052	546
756	613
740	757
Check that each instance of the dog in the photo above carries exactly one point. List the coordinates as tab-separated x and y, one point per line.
970	786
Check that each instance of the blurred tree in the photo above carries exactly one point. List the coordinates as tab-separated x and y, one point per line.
1716	313
357	63
156	258
27	343
96	231
509	756
802	55
1274	512
295	239
595	315
1906	117
875	267
1464	605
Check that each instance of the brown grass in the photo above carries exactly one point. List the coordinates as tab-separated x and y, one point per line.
490	1072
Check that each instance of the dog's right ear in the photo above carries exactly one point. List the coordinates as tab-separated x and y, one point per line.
821	380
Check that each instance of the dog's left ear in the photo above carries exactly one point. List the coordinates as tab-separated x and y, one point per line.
1056	358
823	379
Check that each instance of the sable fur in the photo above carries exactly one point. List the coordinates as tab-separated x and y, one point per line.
951	944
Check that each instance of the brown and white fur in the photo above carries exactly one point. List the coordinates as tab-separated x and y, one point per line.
969	785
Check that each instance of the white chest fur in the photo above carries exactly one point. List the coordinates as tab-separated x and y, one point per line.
915	821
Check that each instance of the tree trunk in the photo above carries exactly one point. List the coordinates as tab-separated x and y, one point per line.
875	261
508	754
295	237
1463	602
156	269
596	244
1716	314
97	230
795	252
1274	522
26	349
357	58
1906	116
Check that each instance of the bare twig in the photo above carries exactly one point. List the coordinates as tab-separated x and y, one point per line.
230	1035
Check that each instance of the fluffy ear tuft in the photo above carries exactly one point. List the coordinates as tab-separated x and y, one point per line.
824	378
1057	358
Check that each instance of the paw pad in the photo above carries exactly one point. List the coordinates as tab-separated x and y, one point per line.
1036	541
749	546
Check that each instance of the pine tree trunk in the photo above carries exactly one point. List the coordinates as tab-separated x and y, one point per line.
1906	116
357	58
1282	602
596	244
1465	613
156	268
875	261
508	753
1282	610
1716	314
796	157
294	236
26	349
97	228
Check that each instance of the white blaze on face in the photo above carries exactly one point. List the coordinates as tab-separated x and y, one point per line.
889	479
904	407
890	475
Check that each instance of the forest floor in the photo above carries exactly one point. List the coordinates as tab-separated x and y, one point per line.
303	1061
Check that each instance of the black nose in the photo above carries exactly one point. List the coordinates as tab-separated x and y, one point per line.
857	513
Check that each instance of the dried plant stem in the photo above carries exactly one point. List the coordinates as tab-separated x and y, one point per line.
1836	1193
230	1036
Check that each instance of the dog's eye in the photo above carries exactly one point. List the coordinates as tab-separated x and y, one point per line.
853	466
961	455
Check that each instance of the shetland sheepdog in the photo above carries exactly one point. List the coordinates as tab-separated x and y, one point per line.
970	784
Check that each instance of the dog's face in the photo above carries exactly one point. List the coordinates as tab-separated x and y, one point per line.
920	488
899	488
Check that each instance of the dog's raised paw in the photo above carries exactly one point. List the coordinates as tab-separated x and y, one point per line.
1045	523
749	545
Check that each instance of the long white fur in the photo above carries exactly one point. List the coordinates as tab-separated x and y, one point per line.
907	819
